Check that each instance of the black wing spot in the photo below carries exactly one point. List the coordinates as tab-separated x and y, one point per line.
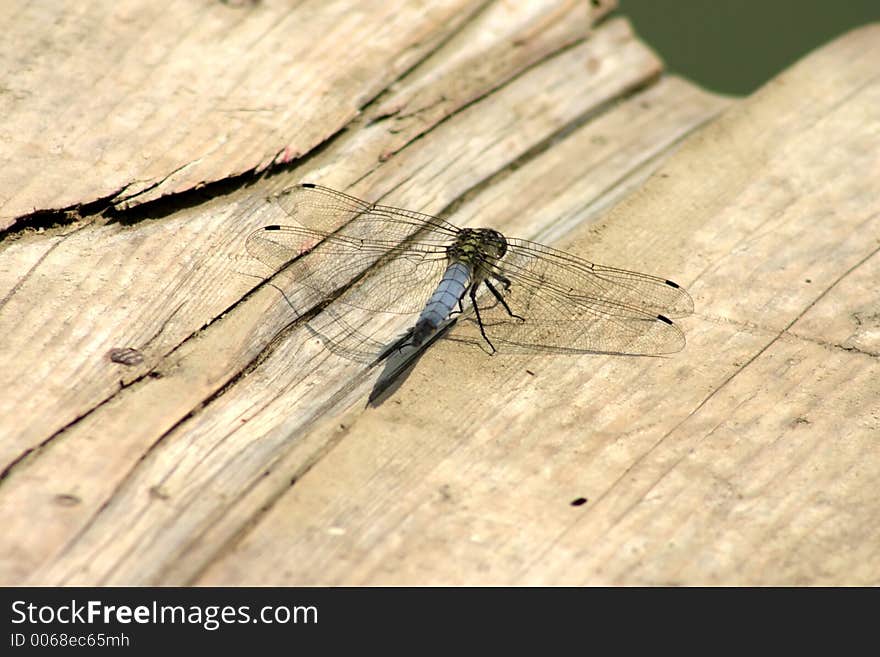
672	284
272	227
580	501
308	185
663	318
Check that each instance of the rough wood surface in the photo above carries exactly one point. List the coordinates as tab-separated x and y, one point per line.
752	457
239	451
192	92
176	286
161	98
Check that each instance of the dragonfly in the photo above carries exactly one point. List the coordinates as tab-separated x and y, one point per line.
516	296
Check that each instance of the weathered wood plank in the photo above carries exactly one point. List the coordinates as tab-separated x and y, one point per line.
289	391
153	285
749	458
95	461
752	457
162	98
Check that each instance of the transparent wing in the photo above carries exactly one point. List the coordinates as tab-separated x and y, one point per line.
400	284
571	305
347	333
345	237
325	210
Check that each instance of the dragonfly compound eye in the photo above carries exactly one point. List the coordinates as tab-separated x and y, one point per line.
494	242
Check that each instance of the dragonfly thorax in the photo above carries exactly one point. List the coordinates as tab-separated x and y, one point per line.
477	247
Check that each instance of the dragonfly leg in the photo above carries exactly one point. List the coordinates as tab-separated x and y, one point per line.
501	279
473	294
501	299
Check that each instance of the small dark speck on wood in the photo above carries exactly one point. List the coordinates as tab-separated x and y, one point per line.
125	356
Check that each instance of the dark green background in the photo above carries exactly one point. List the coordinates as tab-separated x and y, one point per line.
734	46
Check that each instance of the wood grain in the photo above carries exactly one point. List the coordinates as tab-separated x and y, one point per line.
240	452
154	284
751	458
160	99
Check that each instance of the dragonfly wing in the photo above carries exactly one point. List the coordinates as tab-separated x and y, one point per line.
368	274
325	210
345	239
569	274
344	331
571	305
371	262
